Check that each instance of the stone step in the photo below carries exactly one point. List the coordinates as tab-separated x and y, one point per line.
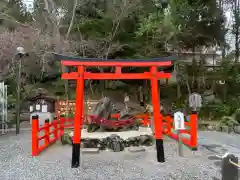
90	150
136	149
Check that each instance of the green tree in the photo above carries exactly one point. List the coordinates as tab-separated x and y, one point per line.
14	9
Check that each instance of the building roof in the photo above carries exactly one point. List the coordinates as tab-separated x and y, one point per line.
41	96
40	93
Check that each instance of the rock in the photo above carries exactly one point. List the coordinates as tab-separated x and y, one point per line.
210	127
90	143
126	143
146	140
237	129
218	128
136	141
103	110
117	146
113	137
222	128
129	142
136	149
103	144
92	127
135	128
115	143
66	139
142	140
124	113
225	129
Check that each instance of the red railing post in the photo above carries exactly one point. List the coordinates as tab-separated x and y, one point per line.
62	122
193	130
55	127
168	124
164	123
47	130
145	120
35	130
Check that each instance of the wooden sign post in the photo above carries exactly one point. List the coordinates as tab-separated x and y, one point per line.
126	100
179	125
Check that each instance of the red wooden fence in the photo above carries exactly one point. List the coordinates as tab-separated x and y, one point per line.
54	130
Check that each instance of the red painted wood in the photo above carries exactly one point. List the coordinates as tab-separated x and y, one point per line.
79	106
156	105
122	64
103	76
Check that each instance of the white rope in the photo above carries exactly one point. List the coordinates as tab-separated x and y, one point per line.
233	163
230	161
224	156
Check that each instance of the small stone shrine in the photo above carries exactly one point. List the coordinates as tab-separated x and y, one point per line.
43	105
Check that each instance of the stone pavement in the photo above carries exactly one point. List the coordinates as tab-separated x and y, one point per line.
219	142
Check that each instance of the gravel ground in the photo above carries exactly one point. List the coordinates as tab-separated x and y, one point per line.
16	163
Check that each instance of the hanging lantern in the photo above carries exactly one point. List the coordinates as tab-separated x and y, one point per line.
221	82
161	3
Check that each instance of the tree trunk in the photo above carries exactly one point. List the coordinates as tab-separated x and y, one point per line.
179	91
72	19
236	28
194	65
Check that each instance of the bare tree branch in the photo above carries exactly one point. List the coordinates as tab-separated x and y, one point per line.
10	18
72	19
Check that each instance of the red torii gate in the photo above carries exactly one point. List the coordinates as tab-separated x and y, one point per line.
153	75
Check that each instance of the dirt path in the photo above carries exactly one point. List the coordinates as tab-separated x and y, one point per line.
16	163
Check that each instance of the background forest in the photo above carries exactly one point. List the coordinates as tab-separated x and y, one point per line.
127	29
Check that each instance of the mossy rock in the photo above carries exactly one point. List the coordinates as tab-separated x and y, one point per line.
92	127
218	128
66	139
237	129
225	129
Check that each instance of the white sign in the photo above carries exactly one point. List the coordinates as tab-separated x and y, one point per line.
179	121
44	108
31	108
38	107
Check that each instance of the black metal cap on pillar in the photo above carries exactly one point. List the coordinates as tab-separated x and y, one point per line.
75	155
160	150
194	112
230	170
35	117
